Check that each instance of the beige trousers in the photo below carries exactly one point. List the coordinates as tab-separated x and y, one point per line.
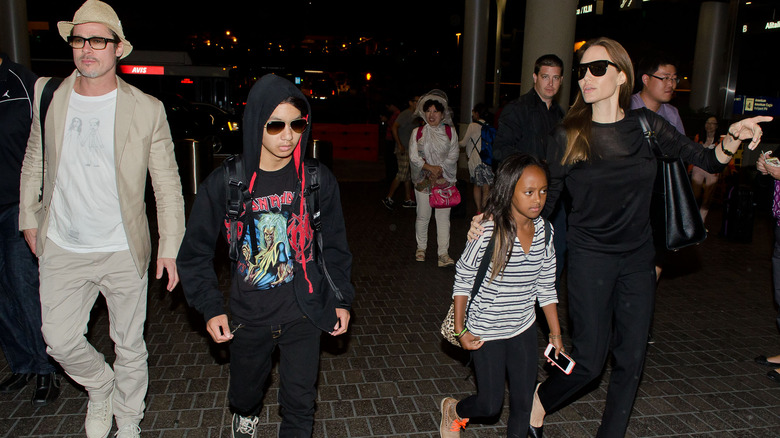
70	283
424	212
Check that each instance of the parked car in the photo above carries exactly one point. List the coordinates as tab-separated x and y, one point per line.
226	125
194	140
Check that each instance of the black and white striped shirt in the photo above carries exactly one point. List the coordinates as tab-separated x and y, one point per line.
504	307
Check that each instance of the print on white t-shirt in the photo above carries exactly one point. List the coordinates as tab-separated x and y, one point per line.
85	213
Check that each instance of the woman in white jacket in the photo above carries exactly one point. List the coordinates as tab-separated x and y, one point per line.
433	155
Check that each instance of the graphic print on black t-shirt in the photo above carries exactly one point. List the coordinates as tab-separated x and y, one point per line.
273	264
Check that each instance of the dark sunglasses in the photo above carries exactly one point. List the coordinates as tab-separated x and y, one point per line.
277	126
597	68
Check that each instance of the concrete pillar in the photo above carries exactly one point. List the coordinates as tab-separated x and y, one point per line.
500	8
475	31
14	38
549	28
709	59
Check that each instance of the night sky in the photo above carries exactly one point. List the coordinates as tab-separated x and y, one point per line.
166	24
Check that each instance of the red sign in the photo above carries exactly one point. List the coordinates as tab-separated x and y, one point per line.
142	69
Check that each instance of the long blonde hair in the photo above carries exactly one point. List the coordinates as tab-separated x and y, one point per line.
578	120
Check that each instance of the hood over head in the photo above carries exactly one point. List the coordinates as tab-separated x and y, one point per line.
264	97
439	96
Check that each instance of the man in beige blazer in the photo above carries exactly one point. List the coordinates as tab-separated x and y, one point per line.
90	230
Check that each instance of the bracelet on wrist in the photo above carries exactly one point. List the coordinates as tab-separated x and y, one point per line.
555	336
463	332
726	151
735	137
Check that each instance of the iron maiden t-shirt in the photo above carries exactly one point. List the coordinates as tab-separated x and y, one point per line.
265	277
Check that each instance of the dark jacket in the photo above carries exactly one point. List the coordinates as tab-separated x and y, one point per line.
524	125
16	108
208	219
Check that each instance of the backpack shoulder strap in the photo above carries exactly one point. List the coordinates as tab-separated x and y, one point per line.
236	196
419	133
311	194
448	129
46	96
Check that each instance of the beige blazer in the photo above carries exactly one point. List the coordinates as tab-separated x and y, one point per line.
142	141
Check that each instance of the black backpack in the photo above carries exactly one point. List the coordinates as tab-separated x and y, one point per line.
239	201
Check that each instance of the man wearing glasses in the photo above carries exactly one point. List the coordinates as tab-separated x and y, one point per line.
659	80
88	227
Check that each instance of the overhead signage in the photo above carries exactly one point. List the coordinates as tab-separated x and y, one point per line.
757	105
142	69
630	4
761	27
587	9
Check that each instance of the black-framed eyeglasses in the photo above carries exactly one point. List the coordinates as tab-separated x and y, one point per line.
674	79
277	126
597	68
97	43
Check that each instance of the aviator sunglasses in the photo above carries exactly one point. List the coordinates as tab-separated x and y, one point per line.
276	126
597	68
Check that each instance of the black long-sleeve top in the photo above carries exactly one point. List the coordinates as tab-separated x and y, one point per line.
524	124
16	108
611	192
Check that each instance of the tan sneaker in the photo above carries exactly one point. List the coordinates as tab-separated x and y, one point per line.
451	424
445	261
419	255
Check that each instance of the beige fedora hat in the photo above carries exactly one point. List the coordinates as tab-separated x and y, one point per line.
95	11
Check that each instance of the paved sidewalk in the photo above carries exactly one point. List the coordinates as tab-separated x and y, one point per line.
386	378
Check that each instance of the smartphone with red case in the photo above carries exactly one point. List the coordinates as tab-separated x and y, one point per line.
564	362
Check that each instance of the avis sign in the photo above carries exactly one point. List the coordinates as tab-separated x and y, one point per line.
142	69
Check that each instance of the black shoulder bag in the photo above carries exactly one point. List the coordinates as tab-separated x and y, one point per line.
674	213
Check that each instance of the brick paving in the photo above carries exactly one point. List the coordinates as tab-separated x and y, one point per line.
386	377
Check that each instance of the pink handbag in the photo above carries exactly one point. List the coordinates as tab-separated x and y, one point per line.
444	196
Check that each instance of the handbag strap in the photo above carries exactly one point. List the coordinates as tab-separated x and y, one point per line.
649	135
483	267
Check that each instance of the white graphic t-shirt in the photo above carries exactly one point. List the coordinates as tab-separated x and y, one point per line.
85	214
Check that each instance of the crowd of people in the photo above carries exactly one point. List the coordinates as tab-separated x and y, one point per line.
74	226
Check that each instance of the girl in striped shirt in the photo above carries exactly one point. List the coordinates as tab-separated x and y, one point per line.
500	330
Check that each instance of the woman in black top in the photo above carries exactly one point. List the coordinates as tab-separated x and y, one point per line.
601	157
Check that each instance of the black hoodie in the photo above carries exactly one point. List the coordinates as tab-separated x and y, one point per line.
208	219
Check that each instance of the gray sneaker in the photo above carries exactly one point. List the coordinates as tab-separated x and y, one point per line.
388	203
128	431
244	427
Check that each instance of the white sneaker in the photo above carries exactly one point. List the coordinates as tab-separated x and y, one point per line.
128	431
100	417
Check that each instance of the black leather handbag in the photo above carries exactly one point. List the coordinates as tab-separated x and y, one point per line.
674	213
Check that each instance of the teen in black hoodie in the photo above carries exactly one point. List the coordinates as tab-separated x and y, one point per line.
278	295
